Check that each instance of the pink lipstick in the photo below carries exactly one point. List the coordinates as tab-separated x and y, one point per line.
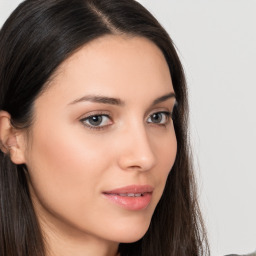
134	197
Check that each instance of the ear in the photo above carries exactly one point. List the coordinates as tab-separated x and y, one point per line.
12	141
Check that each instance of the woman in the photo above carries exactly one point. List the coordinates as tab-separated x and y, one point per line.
95	156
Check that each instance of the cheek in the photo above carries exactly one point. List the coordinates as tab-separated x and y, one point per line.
166	150
64	169
65	152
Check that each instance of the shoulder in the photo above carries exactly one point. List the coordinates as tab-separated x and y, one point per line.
251	254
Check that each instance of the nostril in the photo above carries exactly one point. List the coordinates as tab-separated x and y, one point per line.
136	151
137	161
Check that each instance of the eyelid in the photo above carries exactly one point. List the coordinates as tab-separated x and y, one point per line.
168	116
164	109
95	114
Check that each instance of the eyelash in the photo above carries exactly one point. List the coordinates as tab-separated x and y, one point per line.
85	120
167	116
90	126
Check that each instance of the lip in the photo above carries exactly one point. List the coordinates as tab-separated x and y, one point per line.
131	189
133	197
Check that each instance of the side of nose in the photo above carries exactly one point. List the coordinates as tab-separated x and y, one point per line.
136	150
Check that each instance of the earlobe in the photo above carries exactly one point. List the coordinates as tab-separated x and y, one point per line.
10	143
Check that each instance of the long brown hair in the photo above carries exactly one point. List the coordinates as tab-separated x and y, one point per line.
34	41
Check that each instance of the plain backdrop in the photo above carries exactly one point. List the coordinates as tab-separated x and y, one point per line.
216	41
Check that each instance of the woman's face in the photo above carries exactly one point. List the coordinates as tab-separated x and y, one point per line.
103	143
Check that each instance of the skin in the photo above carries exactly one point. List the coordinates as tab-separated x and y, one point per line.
71	162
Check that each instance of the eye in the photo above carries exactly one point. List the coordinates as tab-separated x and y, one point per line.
96	121
161	118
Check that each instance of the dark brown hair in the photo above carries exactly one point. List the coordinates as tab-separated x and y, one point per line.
34	41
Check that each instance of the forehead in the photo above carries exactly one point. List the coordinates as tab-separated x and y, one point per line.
114	65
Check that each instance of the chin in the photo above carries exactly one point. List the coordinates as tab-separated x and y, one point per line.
131	238
132	233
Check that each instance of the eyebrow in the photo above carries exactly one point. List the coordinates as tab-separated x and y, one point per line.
99	99
164	98
116	101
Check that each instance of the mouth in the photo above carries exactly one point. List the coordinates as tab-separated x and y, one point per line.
134	197
128	194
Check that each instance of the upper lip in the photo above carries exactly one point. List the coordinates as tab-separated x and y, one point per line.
134	189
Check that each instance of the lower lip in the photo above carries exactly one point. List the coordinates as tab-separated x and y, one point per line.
131	203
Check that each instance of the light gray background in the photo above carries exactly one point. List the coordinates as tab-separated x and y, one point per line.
216	41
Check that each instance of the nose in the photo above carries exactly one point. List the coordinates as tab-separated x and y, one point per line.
136	150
